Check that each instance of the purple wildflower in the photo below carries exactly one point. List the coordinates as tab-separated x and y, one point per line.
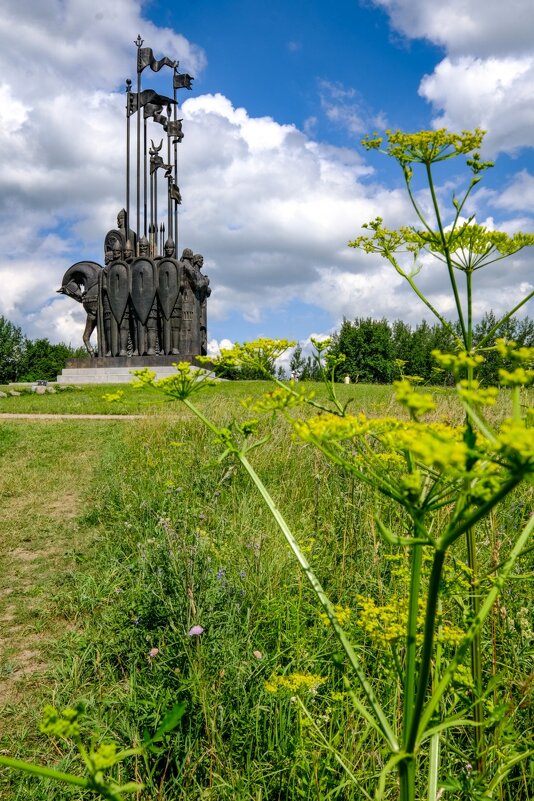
195	631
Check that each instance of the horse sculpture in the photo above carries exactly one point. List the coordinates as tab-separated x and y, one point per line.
81	282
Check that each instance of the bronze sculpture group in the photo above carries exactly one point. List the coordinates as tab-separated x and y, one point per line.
145	301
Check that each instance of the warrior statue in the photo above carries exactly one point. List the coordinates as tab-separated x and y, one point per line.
144	302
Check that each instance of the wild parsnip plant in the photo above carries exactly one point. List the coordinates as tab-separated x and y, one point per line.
98	760
444	481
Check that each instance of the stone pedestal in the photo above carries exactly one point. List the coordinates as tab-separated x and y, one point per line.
118	369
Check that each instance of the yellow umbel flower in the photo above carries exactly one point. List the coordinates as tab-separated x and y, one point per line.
294	682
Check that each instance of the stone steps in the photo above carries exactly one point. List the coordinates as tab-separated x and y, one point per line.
107	375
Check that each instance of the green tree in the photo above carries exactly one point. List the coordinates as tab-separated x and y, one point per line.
521	331
297	362
44	361
368	349
311	370
12	351
402	343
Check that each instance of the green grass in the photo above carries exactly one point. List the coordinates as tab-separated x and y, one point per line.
89	399
164	537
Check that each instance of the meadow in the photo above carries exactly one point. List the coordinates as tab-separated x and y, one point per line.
120	537
310	593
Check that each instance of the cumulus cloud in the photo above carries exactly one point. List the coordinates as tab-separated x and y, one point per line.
496	94
487	76
215	346
480	27
345	107
519	195
271	208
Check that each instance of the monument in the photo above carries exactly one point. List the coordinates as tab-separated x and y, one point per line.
147	305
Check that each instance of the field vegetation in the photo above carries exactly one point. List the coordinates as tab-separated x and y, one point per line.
321	592
138	534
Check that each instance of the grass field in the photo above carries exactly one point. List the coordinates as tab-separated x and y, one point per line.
118	536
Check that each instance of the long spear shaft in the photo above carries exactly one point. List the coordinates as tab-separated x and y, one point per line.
138	43
175	173
128	103
144	178
156	206
169	180
151	203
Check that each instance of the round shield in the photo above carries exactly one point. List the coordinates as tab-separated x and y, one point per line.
118	288
143	292
169	279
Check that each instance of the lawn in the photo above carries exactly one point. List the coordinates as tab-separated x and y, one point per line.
118	537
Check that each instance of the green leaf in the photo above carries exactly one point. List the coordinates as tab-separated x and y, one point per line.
170	721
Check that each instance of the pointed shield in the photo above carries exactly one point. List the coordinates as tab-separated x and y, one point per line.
169	279
144	278
118	288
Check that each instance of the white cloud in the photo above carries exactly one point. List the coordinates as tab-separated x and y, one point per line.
519	195
271	209
496	94
481	27
345	108
215	346
487	76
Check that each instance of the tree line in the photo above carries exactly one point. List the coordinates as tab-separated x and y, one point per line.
23	359
378	352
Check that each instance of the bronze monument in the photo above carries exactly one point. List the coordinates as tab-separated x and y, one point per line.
145	302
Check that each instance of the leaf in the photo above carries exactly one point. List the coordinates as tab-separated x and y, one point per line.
170	721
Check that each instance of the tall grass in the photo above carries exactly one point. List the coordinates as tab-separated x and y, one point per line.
182	541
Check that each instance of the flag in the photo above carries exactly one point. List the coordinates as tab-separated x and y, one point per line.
174	192
156	162
182	81
153	110
145	58
149	96
174	128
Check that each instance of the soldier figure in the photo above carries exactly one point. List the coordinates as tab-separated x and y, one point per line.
187	331
147	333
202	293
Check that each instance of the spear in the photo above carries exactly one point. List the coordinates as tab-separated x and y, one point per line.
138	42
128	106
175	143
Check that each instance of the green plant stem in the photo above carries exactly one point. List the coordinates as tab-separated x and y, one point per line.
446	252
43	772
456	529
377	717
504	319
406	770
474	589
476	648
411	637
435	312
433	770
416	207
379	720
469	340
426	652
485	609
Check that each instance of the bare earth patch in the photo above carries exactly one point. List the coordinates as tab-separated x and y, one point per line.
46	470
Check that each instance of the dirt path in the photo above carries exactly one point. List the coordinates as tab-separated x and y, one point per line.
45	472
35	416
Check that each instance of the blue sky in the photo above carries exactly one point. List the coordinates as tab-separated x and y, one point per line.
273	178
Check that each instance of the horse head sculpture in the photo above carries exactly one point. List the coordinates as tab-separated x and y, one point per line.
80	283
